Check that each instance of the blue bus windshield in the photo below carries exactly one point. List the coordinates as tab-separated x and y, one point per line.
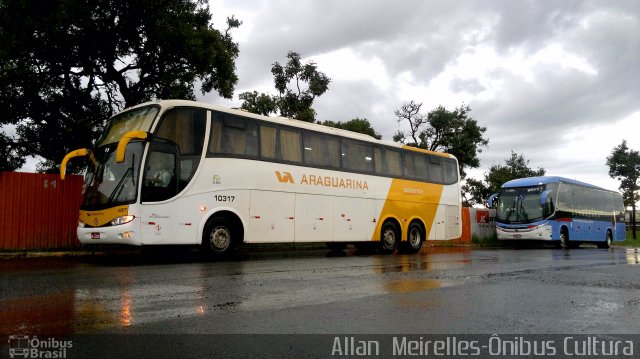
520	205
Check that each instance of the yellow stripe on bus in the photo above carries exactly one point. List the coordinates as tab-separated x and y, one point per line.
409	200
416	149
103	216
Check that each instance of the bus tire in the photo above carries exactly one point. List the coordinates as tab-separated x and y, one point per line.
389	237
222	237
564	239
415	239
607	242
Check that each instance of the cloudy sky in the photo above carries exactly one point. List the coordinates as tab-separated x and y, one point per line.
557	81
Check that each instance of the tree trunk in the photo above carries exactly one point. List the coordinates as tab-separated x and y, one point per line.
633	217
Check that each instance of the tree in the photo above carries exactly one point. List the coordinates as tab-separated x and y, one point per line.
294	99
10	158
67	65
515	167
453	132
624	165
360	125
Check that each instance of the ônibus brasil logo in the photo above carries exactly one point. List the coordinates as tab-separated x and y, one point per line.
24	346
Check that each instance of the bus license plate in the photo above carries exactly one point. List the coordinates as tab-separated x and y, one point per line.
517	236
95	235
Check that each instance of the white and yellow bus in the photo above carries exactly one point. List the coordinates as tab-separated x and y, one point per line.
183	172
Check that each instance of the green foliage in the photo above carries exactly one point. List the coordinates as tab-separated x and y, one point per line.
624	165
10	157
294	99
259	103
453	132
516	166
360	125
66	66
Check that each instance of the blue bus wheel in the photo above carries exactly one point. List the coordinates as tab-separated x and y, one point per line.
564	239
607	242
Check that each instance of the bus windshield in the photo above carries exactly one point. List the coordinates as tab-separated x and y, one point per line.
520	205
137	119
109	183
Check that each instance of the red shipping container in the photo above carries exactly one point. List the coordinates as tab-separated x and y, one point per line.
39	211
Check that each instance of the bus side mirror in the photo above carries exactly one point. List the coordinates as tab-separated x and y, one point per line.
543	197
546	201
77	153
493	200
124	141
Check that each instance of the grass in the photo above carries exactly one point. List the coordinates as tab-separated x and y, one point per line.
630	242
487	242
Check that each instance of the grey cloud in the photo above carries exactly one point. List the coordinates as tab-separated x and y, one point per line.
423	38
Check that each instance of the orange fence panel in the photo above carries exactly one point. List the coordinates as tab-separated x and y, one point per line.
466	226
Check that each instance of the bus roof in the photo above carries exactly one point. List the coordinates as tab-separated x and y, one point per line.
535	181
287	121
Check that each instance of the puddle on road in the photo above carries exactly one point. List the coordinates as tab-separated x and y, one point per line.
633	256
408	286
47	314
90	309
405	264
412	285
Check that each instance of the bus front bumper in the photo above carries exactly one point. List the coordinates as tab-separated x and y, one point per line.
128	233
539	232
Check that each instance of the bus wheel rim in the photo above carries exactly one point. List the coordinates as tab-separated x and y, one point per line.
389	238
415	238
220	238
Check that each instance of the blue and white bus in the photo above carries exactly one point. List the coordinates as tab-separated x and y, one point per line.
559	209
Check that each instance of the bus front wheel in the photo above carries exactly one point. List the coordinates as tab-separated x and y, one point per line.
221	237
564	239
389	237
607	242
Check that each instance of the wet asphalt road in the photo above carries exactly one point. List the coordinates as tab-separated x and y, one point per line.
440	290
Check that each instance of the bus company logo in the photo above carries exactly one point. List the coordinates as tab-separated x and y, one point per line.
324	181
284	177
217	179
24	346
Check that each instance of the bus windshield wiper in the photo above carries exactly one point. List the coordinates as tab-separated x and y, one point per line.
120	186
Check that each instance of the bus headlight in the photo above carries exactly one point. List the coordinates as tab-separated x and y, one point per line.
81	224
122	220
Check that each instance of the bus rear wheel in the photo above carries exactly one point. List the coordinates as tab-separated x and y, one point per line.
389	238
221	237
415	239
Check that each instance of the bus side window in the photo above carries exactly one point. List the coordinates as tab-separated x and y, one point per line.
290	145
357	156
321	150
186	128
409	165
233	135
450	170
387	162
436	172
280	144
565	198
549	207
